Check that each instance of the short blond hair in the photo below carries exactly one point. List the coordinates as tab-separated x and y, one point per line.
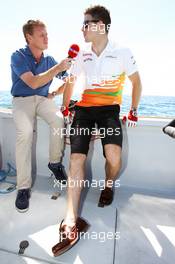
29	26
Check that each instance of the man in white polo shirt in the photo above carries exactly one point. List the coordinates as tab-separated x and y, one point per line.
104	67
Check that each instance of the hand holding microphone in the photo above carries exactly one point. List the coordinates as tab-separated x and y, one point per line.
65	65
72	53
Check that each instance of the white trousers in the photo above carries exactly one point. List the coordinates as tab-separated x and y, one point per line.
25	110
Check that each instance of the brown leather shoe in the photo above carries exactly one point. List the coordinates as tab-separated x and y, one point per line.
69	239
106	197
80	223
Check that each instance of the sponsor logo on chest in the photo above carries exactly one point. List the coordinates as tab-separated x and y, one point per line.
87	57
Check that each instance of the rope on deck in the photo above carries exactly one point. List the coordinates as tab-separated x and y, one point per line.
7	181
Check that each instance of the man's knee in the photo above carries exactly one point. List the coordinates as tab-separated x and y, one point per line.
113	156
77	160
114	162
57	123
25	136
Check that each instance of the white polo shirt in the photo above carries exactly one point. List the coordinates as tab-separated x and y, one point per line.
104	75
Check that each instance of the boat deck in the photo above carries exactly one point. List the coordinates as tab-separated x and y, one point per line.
142	221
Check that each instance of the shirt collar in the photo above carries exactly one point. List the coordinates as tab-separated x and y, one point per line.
28	52
109	47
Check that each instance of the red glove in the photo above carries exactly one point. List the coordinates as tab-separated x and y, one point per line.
132	118
67	115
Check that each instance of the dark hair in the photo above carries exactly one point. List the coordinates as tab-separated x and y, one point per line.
100	13
30	25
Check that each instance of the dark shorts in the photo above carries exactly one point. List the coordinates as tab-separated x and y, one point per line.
85	124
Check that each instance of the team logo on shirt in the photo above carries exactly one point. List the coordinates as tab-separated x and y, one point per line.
87	54
88	59
110	57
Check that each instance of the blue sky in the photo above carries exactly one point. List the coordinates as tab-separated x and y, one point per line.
147	27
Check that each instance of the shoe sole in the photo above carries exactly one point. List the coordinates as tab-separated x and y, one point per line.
22	210
105	201
103	204
71	245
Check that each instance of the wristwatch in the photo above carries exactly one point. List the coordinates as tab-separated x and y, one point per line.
54	93
134	111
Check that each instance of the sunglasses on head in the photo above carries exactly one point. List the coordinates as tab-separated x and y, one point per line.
86	22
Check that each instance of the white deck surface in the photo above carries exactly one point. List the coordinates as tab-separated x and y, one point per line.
145	219
40	227
145	223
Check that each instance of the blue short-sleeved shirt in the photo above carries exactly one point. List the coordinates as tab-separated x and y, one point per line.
23	61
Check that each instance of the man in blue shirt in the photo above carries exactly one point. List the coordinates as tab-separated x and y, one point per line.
32	75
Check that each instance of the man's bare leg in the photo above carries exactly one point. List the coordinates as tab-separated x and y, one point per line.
113	162
75	185
112	168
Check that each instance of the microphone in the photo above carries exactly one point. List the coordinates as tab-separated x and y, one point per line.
72	53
